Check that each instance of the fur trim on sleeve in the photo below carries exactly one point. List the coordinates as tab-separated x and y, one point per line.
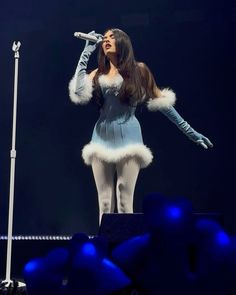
166	100
83	95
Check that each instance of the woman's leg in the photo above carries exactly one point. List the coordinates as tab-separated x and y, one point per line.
127	174
104	178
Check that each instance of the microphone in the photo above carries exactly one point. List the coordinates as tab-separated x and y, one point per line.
86	37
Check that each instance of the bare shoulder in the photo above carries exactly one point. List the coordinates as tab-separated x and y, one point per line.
92	74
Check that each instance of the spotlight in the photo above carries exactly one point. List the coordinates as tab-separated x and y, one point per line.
214	256
167	216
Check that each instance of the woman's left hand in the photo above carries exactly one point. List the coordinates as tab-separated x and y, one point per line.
204	141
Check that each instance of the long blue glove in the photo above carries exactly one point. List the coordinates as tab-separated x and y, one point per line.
174	117
80	87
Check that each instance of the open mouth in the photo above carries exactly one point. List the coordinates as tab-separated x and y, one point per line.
107	46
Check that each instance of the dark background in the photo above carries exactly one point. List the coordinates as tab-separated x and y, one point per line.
189	47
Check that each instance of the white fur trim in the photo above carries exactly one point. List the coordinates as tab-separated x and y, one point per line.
110	82
85	94
166	100
139	151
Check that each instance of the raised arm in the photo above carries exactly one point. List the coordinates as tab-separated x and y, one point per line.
81	87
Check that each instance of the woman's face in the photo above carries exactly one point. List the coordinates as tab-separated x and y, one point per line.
109	43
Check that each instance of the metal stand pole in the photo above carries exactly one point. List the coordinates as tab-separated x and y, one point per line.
7	282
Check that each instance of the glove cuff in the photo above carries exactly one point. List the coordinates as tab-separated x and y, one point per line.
165	101
82	95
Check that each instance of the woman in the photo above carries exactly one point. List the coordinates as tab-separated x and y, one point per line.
118	85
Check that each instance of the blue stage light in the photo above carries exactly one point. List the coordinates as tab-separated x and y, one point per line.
33	265
93	273
173	212
167	215
207	226
128	253
88	249
222	238
39	279
108	263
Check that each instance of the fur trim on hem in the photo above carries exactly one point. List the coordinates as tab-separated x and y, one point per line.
165	101
85	94
139	151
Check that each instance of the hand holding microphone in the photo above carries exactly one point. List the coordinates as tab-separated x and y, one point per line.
92	40
91	37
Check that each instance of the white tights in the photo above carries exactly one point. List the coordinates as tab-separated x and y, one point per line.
127	172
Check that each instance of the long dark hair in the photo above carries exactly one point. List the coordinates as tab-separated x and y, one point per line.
138	82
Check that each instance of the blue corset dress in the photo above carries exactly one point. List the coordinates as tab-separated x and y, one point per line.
117	134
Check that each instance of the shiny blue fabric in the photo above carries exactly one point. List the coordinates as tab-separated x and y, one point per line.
117	125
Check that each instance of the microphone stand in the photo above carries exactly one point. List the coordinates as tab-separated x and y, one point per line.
8	282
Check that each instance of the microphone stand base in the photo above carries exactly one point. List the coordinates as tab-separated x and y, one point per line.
12	287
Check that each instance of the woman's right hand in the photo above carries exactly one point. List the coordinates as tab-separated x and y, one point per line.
81	87
91	46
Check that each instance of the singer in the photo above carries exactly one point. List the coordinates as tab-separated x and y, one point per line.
118	85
